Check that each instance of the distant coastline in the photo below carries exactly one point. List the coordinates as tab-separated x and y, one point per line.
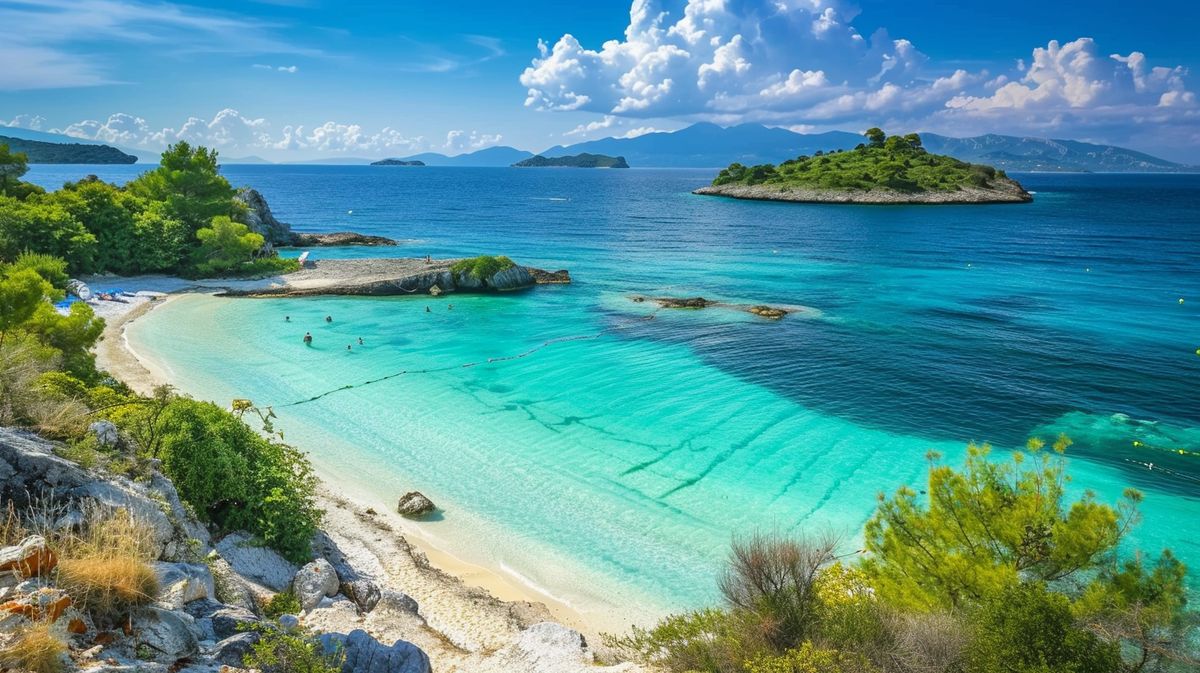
967	195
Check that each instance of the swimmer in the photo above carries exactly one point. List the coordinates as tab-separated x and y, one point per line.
427	309
287	318
308	337
347	346
450	307
328	318
360	342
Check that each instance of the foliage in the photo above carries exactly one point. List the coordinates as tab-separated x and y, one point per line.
483	266
39	224
52	269
282	603
808	658
40	152
237	478
896	163
189	184
13	165
1026	628
712	640
988	527
35	648
106	568
225	246
279	651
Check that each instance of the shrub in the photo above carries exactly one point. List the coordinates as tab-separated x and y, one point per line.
483	266
35	648
278	651
713	641
105	568
809	659
225	247
282	603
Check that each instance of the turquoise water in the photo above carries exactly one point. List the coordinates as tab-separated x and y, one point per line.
611	464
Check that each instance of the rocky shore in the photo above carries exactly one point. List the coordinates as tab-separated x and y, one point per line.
259	219
367	591
395	276
1005	191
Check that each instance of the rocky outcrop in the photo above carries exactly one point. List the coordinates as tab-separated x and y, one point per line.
767	312
182	583
683	302
542	277
386	277
1002	191
414	505
170	635
760	310
364	654
259	219
256	563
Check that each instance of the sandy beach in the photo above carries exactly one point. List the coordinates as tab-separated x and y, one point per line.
473	610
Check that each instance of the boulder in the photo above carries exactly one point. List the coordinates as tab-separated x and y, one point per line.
315	581
182	583
29	469
414	505
289	622
230	620
543	277
170	635
363	592
768	312
258	564
231	588
31	558
547	647
232	651
105	432
364	654
398	601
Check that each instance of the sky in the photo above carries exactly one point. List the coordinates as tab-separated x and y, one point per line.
302	79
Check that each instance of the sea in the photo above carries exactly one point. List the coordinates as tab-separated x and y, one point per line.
605	451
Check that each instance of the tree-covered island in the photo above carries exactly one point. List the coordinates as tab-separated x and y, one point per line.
884	170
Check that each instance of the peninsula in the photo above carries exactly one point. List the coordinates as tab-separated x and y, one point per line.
584	160
38	152
884	170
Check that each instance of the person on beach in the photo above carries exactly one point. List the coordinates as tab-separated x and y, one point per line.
328	318
308	338
428	259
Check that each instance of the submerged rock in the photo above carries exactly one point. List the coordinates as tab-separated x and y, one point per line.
542	277
678	302
415	505
768	312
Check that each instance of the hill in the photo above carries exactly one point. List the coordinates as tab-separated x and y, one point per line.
498	156
397	162
575	161
894	169
1042	154
58	138
38	152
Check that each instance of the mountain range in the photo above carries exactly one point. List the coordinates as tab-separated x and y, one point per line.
707	145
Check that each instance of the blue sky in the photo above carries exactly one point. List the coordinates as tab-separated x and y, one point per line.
306	78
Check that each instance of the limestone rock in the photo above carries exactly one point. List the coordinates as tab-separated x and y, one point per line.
768	312
258	564
315	581
543	277
105	432
31	558
260	220
364	654
512	278
289	622
363	592
169	634
415	505
678	302
338	238
230	587
182	583
399	602
233	650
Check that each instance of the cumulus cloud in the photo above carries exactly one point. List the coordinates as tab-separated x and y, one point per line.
229	130
802	62
461	141
32	122
291	69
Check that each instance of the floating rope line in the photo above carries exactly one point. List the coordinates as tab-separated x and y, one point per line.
468	365
1153	467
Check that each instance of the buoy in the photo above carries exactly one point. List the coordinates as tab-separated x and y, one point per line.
1181	300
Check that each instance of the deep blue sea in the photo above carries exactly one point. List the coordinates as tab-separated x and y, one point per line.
612	464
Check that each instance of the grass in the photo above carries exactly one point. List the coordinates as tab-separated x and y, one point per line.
483	266
282	603
106	567
35	648
897	164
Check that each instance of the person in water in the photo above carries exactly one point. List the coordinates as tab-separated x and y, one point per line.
450	307
287	318
427	309
308	337
360	342
328	318
348	347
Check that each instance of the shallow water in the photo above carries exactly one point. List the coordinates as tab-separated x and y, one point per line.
612	463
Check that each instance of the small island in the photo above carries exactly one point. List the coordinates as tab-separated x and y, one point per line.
397	162
884	170
584	160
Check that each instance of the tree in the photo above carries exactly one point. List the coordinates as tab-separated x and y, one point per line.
188	181
987	527
46	227
108	214
21	292
13	165
161	240
52	269
225	246
913	140
875	136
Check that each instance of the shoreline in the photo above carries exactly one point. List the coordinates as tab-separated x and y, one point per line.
498	592
965	196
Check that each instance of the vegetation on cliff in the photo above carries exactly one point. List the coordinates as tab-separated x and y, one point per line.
38	152
232	476
987	569
895	163
483	266
180	217
584	160
398	162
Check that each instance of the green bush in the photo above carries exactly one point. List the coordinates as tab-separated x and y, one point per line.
238	479
483	266
282	603
279	651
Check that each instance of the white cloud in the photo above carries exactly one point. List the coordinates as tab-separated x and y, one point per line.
279	68
461	141
640	131
802	62
591	127
32	122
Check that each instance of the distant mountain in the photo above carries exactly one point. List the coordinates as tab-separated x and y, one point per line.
574	161
39	152
397	162
710	146
252	159
499	155
42	136
1040	154
335	161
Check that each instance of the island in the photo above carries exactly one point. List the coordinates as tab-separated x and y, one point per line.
884	170
38	152
397	162
584	160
